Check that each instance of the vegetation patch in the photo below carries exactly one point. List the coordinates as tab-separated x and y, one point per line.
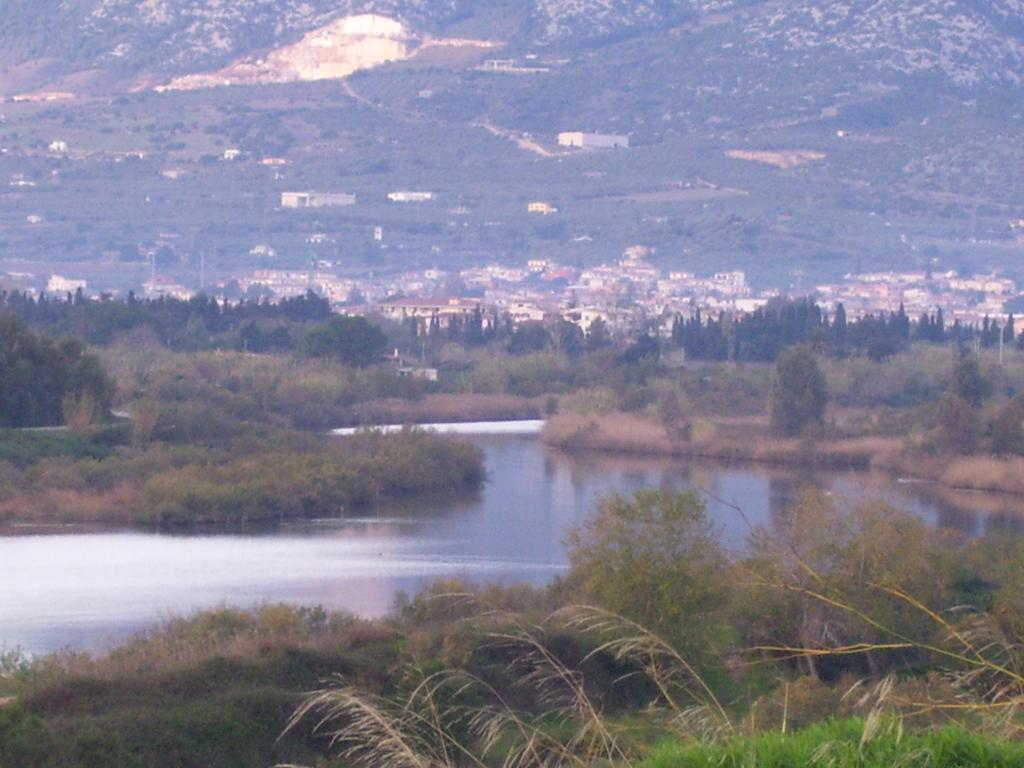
844	744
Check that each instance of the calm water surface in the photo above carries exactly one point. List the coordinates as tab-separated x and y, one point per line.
87	590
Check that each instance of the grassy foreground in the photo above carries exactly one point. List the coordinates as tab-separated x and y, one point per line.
852	743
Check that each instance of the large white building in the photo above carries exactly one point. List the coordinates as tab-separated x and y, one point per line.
59	284
400	309
316	199
592	140
406	196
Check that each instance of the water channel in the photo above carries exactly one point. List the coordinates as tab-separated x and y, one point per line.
87	589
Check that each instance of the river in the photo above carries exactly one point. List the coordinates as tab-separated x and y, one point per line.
87	590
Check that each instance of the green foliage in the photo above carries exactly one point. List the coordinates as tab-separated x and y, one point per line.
598	336
38	377
822	552
571	339
23	449
25	739
259	391
799	392
212	691
193	324
348	339
915	377
958	425
642	353
654	558
353	472
529	337
843	744
968	383
1007	429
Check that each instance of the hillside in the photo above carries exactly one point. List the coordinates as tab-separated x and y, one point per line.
793	139
964	41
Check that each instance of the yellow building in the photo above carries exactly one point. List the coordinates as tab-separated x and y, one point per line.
539	206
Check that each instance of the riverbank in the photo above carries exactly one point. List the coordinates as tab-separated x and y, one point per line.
748	440
443	408
465	428
294	479
725	440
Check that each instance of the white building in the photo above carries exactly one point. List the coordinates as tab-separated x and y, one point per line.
498	65
592	140
443	308
585	317
523	312
750	305
541	207
731	282
59	284
164	287
411	372
405	196
316	199
263	251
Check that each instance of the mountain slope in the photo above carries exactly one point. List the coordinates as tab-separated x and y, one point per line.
963	42
785	137
968	42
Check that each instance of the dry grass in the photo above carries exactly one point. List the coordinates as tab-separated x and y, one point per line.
729	440
224	633
617	432
965	473
63	505
456	718
986	473
748	440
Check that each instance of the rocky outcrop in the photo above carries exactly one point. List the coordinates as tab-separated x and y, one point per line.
330	52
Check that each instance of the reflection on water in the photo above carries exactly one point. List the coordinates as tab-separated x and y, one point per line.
85	590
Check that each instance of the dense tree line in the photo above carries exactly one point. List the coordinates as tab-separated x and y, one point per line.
45	382
264	326
197	323
487	327
762	335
